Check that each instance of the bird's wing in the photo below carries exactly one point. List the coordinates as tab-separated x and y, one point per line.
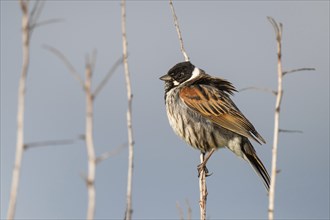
217	106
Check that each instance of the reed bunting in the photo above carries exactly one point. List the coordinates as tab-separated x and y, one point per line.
201	112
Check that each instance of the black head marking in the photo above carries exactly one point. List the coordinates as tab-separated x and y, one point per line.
181	71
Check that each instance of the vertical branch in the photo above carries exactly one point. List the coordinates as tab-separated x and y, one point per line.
177	27
20	111
203	190
202	177
278	31
129	210
90	143
90	97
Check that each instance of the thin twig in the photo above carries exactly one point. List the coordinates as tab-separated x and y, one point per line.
35	7
278	27
108	154
46	22
290	131
296	70
129	209
177	27
71	69
48	143
203	190
90	143
202	176
20	112
36	12
259	89
108	76
88	137
278	31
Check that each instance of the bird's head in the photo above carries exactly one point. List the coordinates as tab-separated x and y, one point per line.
180	74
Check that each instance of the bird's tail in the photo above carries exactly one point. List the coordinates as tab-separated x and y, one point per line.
256	163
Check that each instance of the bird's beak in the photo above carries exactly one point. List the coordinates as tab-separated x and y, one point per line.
166	78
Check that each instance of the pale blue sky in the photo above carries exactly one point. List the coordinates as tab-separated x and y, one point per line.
233	40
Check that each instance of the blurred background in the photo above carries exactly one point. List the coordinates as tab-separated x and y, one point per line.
232	40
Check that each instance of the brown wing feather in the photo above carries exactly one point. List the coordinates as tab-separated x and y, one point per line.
216	105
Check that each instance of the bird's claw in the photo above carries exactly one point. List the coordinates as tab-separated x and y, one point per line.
201	167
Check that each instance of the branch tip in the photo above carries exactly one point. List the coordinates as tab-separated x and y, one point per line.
177	27
297	70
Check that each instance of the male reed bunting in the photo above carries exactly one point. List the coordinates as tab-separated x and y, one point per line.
201	112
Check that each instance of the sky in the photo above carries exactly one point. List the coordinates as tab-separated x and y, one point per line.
228	39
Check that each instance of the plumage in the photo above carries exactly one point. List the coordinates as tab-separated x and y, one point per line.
200	111
216	105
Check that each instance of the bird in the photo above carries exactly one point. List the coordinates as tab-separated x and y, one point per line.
200	111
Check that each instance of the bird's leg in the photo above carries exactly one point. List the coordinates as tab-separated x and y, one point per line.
202	166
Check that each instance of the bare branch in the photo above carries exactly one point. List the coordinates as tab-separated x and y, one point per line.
177	27
108	76
278	27
290	131
129	209
202	191
24	7
112	153
89	139
296	70
71	69
34	8
20	110
202	174
36	11
278	32
259	89
46	22
48	143
35	14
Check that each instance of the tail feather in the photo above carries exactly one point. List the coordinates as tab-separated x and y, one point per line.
257	165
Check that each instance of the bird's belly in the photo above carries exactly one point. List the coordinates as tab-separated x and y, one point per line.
197	130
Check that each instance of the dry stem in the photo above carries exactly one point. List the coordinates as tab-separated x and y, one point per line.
48	143
177	27
278	31
279	93
297	70
107	77
20	112
108	154
202	176
88	137
71	69
290	131
129	210
259	89
90	143
203	191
